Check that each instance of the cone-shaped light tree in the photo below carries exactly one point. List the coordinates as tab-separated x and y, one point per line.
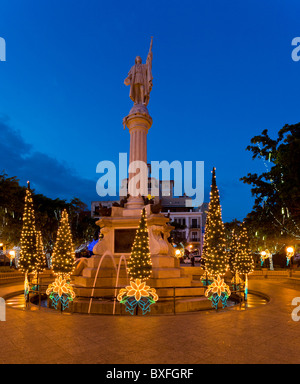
140	264
244	260
28	259
214	250
233	254
41	256
63	256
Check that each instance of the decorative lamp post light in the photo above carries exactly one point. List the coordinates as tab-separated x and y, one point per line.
178	253
290	251
12	255
263	256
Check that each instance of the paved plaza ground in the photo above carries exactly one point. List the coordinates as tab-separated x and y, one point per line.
265	334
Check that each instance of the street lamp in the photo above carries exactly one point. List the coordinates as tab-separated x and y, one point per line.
290	251
263	255
178	253
12	255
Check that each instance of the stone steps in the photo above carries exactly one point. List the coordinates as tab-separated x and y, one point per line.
103	272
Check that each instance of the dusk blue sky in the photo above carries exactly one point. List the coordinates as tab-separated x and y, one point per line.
222	73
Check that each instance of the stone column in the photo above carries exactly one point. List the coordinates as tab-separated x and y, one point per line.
138	122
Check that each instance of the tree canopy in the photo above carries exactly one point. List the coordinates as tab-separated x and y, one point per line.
275	218
47	215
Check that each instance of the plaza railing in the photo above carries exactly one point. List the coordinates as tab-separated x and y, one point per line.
39	291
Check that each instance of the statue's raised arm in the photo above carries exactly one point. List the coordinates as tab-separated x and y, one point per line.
140	79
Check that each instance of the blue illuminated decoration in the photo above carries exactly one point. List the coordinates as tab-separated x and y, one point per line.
64	300
215	299
90	247
144	303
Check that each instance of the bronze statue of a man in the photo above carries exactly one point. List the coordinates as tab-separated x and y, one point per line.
140	79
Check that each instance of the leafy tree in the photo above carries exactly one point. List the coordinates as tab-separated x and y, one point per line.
140	265
214	249
275	218
48	213
11	210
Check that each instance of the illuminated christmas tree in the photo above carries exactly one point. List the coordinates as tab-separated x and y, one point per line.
41	256
244	260
214	250
63	257
28	259
140	265
233	253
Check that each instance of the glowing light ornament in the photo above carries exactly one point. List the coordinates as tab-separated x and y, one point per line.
60	291
289	254
217	291
137	294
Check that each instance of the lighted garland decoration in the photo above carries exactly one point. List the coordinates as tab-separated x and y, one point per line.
63	257
217	291
214	247
137	294
60	291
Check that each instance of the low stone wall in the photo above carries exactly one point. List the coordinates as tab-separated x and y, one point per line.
10	275
7	277
196	272
266	273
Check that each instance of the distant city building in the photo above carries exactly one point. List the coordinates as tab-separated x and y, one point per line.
95	207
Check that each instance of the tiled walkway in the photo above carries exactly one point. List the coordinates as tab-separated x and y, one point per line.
266	334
